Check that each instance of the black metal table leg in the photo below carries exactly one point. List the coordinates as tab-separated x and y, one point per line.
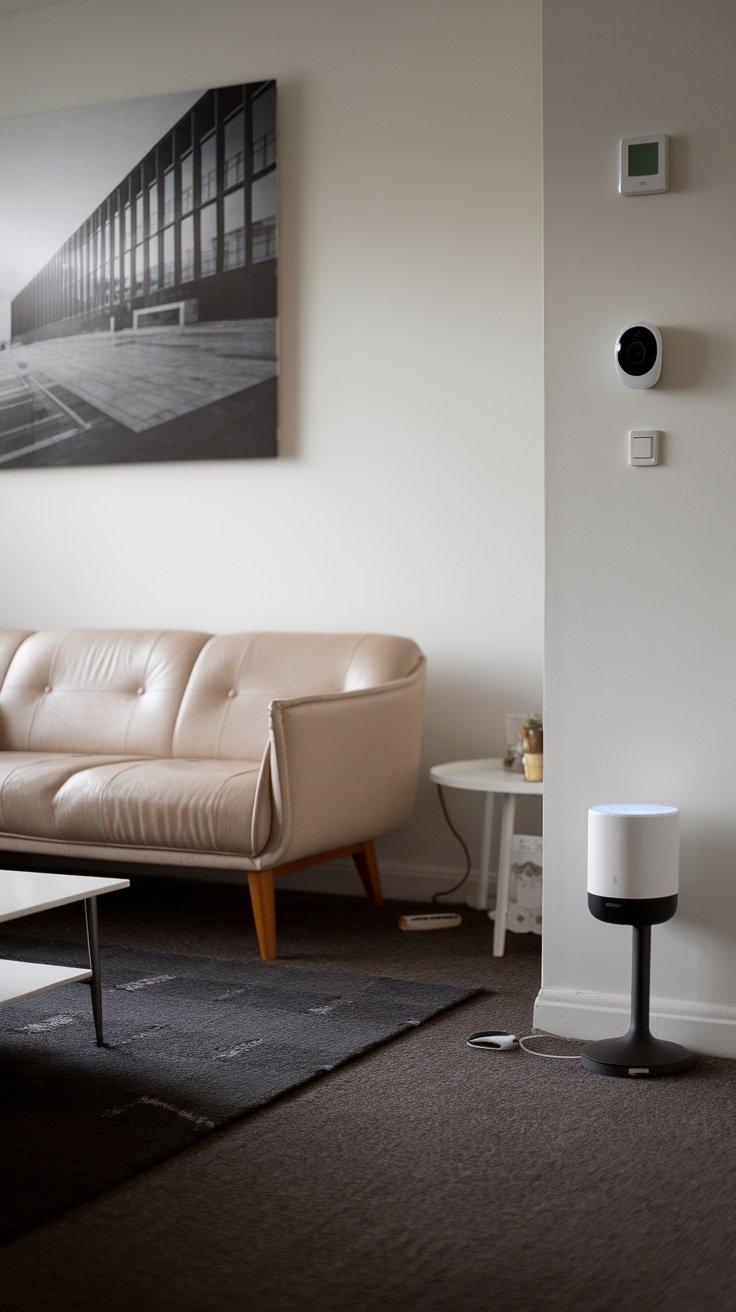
93	947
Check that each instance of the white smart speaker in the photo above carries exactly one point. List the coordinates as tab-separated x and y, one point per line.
633	879
633	863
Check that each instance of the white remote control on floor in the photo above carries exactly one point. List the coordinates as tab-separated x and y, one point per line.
431	920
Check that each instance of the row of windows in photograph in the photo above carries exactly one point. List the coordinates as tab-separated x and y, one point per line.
175	219
211	240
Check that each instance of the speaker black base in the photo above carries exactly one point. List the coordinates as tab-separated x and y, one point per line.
632	910
635	1056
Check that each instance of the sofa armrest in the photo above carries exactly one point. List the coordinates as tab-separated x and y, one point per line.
344	767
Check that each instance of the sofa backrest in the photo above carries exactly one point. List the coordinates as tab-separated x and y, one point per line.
107	691
175	693
224	712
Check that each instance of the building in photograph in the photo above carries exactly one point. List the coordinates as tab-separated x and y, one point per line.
189	235
151	334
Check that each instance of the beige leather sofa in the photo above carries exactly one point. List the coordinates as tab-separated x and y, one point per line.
256	752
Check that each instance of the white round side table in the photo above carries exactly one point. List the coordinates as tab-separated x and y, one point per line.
489	777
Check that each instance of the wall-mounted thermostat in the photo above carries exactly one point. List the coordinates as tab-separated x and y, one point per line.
643	165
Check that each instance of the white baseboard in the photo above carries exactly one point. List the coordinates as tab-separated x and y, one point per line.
703	1028
401	882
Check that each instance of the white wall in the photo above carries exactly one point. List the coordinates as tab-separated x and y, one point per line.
408	496
641	585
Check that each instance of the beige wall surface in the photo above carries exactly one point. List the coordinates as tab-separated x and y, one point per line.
408	495
641	586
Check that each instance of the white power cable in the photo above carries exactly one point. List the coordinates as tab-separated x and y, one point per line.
553	1056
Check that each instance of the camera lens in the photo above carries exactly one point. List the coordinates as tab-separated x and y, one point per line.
637	351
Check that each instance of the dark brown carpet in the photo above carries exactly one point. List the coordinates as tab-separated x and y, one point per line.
426	1175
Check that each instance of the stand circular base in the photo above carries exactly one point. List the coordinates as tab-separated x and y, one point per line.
629	1056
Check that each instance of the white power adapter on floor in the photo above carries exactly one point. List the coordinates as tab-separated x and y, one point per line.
431	920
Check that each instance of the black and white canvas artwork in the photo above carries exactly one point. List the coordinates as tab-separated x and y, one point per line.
138	281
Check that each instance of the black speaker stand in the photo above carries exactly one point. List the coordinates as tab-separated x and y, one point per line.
637	1053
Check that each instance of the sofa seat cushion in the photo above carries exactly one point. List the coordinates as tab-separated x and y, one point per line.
176	804
30	782
196	806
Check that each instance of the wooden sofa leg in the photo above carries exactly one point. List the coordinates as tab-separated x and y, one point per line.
366	864
263	901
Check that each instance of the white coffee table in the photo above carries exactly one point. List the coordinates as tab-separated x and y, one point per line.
23	893
489	777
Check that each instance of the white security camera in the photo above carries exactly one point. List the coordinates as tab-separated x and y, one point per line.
639	355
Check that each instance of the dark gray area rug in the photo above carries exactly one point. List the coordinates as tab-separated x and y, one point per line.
190	1045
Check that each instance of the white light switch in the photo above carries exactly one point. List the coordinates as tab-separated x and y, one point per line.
644	446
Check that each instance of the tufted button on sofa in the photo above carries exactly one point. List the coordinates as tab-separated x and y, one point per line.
256	752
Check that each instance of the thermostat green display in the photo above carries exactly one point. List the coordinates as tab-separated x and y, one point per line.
643	165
